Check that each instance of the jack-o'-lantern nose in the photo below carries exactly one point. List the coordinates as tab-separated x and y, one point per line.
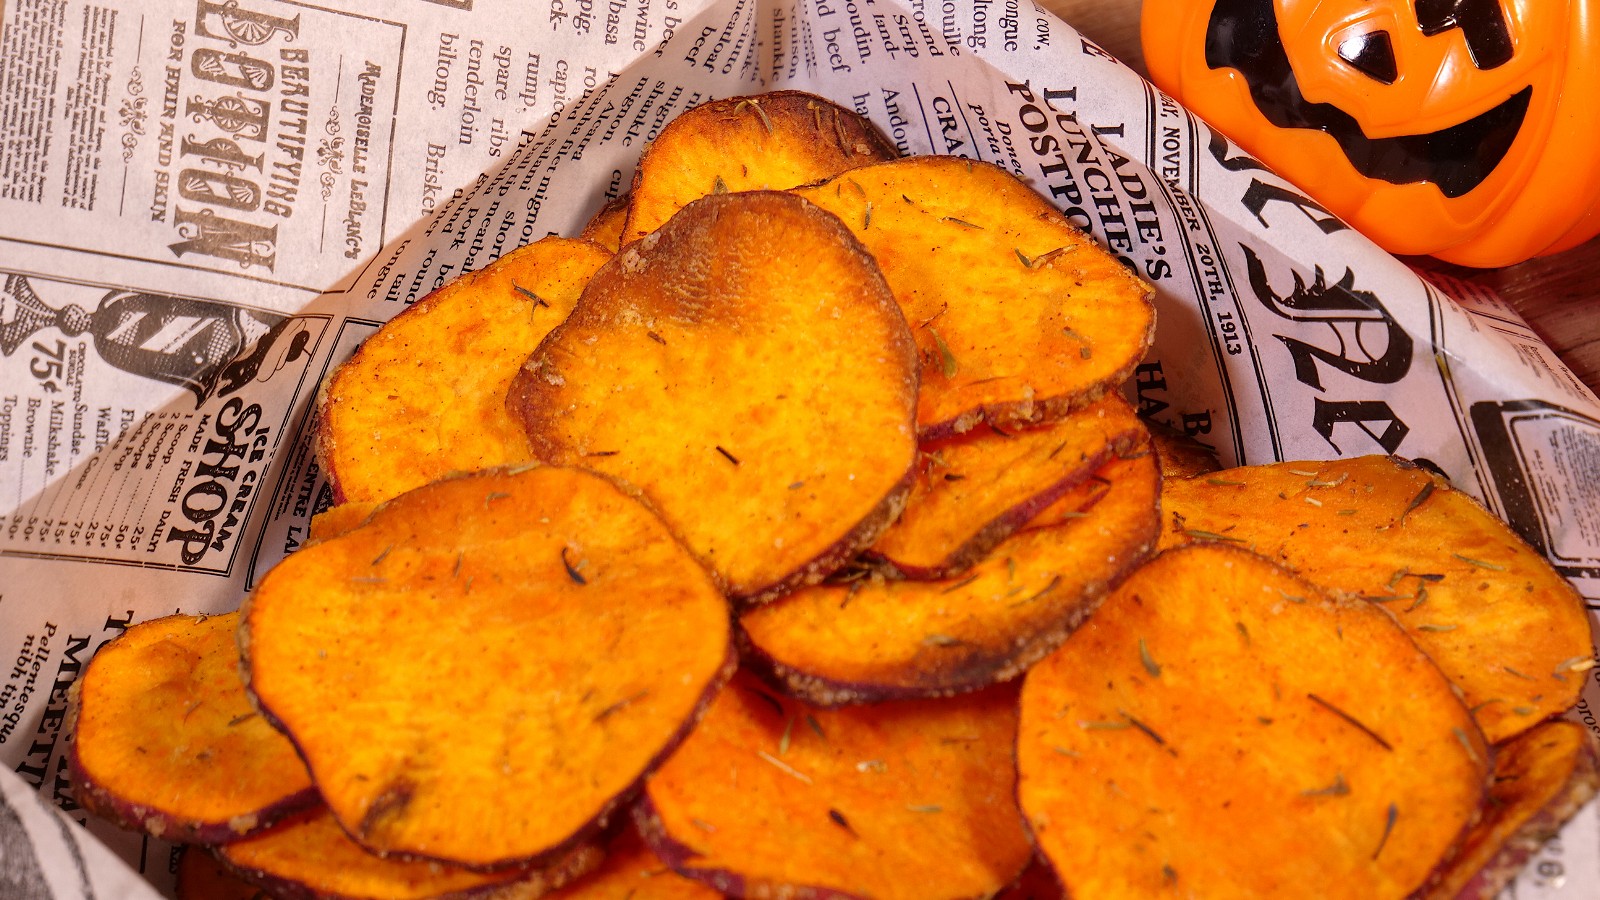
1372	54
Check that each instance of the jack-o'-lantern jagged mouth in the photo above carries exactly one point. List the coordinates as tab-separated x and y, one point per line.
1243	35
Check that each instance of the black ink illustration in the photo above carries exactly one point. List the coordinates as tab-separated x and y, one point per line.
211	348
1355	318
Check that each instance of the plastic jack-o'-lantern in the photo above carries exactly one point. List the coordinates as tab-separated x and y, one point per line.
1468	129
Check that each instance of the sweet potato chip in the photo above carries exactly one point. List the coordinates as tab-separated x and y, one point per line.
312	857
425	395
1018	316
201	876
874	639
1221	728
775	141
1497	618
606	227
533	636
167	742
1074	504
1541	778
771	798
632	871
974	491
1181	455
1036	882
336	520
746	370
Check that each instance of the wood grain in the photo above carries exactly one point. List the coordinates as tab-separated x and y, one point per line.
1559	295
1113	24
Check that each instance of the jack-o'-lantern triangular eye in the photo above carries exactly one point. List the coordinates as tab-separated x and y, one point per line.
1482	24
1372	54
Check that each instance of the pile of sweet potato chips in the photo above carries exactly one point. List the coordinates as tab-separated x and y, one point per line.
786	534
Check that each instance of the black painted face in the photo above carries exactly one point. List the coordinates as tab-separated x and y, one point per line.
1244	35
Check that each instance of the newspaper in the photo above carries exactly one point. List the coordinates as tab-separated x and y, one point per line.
205	205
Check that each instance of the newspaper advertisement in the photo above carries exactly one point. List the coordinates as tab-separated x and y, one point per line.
206	205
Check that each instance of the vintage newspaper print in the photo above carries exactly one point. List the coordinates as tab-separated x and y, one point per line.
206	206
199	132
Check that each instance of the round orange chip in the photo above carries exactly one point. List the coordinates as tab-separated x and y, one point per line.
747	371
313	857
425	395
877	639
168	743
1221	728
1492	612
1018	316
771	797
489	665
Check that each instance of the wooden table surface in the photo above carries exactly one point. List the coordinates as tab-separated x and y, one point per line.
1559	295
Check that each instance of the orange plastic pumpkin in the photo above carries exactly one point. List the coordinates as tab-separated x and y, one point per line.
1468	129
